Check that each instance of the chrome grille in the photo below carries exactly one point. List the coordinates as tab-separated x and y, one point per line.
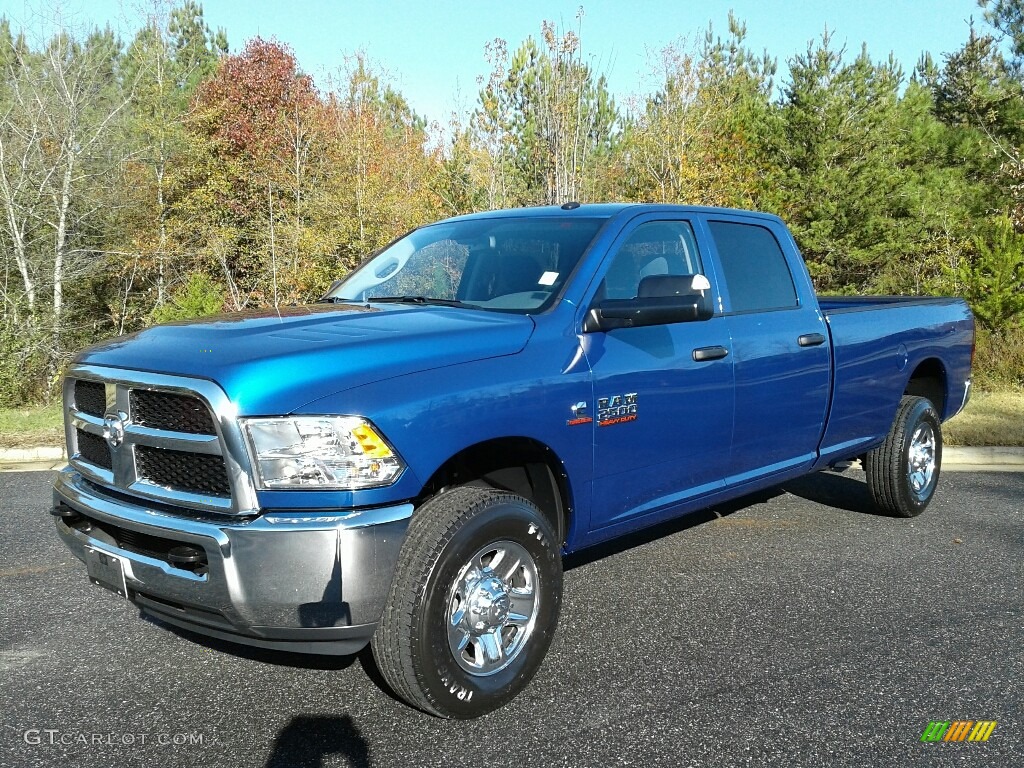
190	472
170	411
158	437
90	397
93	448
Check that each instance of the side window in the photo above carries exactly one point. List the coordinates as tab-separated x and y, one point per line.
655	248
754	267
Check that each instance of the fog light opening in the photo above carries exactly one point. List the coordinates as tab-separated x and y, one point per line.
188	558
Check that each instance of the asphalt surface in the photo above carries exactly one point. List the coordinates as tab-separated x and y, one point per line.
794	629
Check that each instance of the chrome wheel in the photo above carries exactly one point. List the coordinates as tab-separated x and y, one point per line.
473	605
492	608
903	472
921	460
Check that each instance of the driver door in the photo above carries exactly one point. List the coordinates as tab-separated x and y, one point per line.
663	415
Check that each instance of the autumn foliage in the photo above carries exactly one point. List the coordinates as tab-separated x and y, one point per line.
173	179
244	108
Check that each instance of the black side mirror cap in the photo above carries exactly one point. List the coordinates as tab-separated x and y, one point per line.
654	310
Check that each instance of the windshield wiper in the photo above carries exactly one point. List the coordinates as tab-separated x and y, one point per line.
415	300
423	300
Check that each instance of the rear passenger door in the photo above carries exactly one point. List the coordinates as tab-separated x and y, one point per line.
781	355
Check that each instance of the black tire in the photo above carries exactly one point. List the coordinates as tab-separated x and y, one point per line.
413	645
903	472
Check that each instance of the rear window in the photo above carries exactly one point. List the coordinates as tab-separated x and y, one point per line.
755	270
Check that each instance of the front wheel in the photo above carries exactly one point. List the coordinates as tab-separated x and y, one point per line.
473	605
904	470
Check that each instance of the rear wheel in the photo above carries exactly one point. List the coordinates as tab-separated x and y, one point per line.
903	472
474	603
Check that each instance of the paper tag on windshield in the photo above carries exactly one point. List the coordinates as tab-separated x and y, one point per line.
548	278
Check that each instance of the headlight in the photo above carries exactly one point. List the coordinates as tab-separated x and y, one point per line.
329	452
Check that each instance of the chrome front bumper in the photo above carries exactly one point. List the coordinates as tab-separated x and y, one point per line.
306	582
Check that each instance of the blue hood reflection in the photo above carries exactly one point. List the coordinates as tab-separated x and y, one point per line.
274	361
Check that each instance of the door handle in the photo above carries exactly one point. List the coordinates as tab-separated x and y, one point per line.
811	339
702	354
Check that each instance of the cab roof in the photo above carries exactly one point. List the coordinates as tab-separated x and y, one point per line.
604	211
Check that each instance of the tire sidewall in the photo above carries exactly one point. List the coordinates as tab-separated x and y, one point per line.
450	688
922	412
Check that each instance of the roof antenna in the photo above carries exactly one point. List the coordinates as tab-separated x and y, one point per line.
570	206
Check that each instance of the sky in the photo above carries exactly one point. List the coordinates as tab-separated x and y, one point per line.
433	51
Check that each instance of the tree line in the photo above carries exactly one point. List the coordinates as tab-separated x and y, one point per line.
165	178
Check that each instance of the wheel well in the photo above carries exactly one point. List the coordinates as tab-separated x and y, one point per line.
520	465
929	380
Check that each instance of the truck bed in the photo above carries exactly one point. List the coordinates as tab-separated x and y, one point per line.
832	304
875	340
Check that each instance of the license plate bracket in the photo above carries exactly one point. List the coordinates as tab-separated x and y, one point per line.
106	570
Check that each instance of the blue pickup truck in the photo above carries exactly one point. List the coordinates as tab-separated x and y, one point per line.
406	462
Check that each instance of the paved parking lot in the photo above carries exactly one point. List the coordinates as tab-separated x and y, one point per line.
792	629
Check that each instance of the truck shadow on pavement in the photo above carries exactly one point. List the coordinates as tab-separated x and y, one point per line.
311	741
834	490
274	658
667	528
285	658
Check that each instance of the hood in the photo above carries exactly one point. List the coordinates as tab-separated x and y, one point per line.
274	361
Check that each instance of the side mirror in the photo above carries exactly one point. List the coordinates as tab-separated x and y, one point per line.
662	299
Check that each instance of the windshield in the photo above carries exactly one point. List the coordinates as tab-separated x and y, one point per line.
508	264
